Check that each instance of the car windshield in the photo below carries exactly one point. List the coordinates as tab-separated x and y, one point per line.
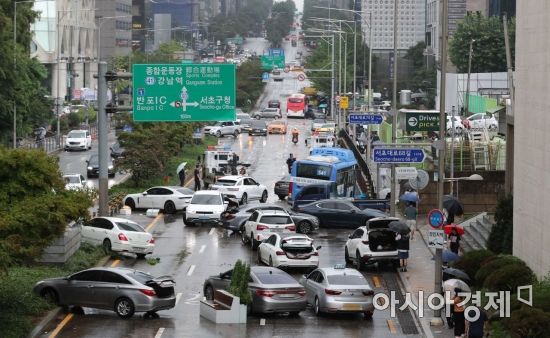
258	124
72	179
346	280
295	100
128	226
206	199
275	278
185	191
276	219
140	276
76	134
226	183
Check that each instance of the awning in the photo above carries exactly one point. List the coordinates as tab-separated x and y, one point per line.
494	110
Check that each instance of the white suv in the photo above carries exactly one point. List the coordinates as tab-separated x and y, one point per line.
224	128
264	223
206	206
78	139
243	188
372	243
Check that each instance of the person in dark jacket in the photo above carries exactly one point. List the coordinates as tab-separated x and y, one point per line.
197	177
454	240
403	250
181	175
289	161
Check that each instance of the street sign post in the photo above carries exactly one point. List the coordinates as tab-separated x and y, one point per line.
271	61
344	104
436	218
436	238
365	119
405	173
188	93
265	77
398	155
301	77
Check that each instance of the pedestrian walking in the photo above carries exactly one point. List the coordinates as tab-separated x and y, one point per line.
403	250
476	328
197	173
181	175
458	315
454	240
410	215
289	161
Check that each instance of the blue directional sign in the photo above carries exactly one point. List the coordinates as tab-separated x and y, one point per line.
398	155
265	76
365	118
276	52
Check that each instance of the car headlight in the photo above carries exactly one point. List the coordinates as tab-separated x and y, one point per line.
90	168
111	167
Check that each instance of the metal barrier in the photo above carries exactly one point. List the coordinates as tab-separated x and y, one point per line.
51	144
360	161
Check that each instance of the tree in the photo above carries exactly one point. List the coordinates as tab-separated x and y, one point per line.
501	236
249	84
280	23
488	53
35	208
424	76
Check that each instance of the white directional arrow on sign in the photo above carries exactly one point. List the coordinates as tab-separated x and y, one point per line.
184	105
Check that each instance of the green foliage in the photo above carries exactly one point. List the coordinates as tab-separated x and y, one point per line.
501	237
491	265
280	23
35	208
239	282
249	84
488	54
247	21
471	261
528	322
509	277
424	78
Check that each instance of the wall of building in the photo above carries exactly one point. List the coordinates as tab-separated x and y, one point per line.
116	34
532	139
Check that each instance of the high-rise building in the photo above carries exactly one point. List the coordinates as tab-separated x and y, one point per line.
116	33
497	7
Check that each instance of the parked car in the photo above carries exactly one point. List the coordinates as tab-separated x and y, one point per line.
205	207
317	124
92	168
289	251
339	213
305	223
372	243
273	290
268	113
274	104
276	75
459	127
277	127
117	151
482	120
246	124
338	289
122	290
224	128
78	140
169	198
281	187
118	235
74	181
263	223
242	188
258	128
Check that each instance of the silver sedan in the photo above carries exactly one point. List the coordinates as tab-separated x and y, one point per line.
338	289
124	291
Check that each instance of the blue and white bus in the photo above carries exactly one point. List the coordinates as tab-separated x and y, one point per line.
326	164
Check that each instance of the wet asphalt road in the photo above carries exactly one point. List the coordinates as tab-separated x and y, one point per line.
191	254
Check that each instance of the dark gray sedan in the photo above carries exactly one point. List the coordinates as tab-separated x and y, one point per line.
124	291
273	290
305	223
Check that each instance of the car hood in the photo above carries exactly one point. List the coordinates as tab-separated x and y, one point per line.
204	207
73	186
76	139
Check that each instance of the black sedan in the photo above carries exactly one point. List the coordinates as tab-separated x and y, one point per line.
281	187
258	128
92	169
274	104
117	151
339	213
235	221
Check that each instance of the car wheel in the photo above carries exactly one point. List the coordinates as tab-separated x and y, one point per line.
140	255
244	239
244	199
282	197
258	117
124	308
270	261
169	207
294	314
304	227
359	261
346	256
209	292
236	133
368	314
317	307
218	133
130	202
50	295
264	197
107	246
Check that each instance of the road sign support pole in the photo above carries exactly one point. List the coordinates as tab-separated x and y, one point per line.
333	96
393	192
102	139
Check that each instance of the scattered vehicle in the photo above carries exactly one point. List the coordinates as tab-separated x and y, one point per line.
296	105
320	139
118	235
281	187
205	207
268	113
235	221
339	213
169	198
459	127
78	140
92	169
218	161
483	120
277	127
372	243
274	104
242	188
317	123
263	223
124	291
258	128
273	290
74	181
338	289
117	151
276	75
246	124
289	251
224	128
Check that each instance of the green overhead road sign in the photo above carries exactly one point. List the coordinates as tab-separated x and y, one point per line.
270	61
184	92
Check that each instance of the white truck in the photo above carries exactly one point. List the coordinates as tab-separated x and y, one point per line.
219	161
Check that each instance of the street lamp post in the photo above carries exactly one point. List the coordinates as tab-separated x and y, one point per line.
467	103
473	177
393	192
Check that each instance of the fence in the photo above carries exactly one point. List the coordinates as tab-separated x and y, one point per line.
52	144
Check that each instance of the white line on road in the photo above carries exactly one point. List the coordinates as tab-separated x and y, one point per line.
178	296
159	332
202	248
212	231
191	269
262	322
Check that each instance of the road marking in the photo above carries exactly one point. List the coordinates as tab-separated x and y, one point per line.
61	325
262	322
391	326
212	231
178	296
115	263
159	332
153	222
202	248
193	300
191	269
376	281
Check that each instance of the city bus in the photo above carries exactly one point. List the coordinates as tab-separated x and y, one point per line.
327	164
296	105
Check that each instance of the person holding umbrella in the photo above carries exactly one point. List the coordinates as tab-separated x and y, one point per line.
410	215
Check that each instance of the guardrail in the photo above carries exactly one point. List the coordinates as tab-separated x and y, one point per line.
51	144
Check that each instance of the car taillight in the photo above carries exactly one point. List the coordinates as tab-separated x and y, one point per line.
301	292
290	188
122	237
332	292
148	292
265	293
290	227
368	293
280	253
261	227
365	242
152	241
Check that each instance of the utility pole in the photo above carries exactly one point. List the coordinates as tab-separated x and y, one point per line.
394	109
333	97
467	103
509	173
102	138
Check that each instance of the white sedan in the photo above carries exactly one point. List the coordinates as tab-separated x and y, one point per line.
243	188
482	120
168	198
118	234
74	181
289	251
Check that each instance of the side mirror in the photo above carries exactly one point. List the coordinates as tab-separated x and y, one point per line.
144	193
318	248
304	276
353	211
350	236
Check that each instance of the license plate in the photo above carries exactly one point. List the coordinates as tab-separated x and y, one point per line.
351	307
276	230
287	296
139	249
204	217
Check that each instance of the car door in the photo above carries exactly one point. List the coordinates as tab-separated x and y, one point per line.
161	196
226	127
222	281
347	215
327	213
251	223
87	231
254	187
109	289
268	247
80	287
355	238
476	121
103	230
310	286
146	199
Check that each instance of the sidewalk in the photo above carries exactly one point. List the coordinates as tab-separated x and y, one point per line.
420	277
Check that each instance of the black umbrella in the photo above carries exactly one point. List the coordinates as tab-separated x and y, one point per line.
455	273
453	205
399	227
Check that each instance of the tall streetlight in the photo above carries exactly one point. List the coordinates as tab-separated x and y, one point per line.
102	20
467	103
